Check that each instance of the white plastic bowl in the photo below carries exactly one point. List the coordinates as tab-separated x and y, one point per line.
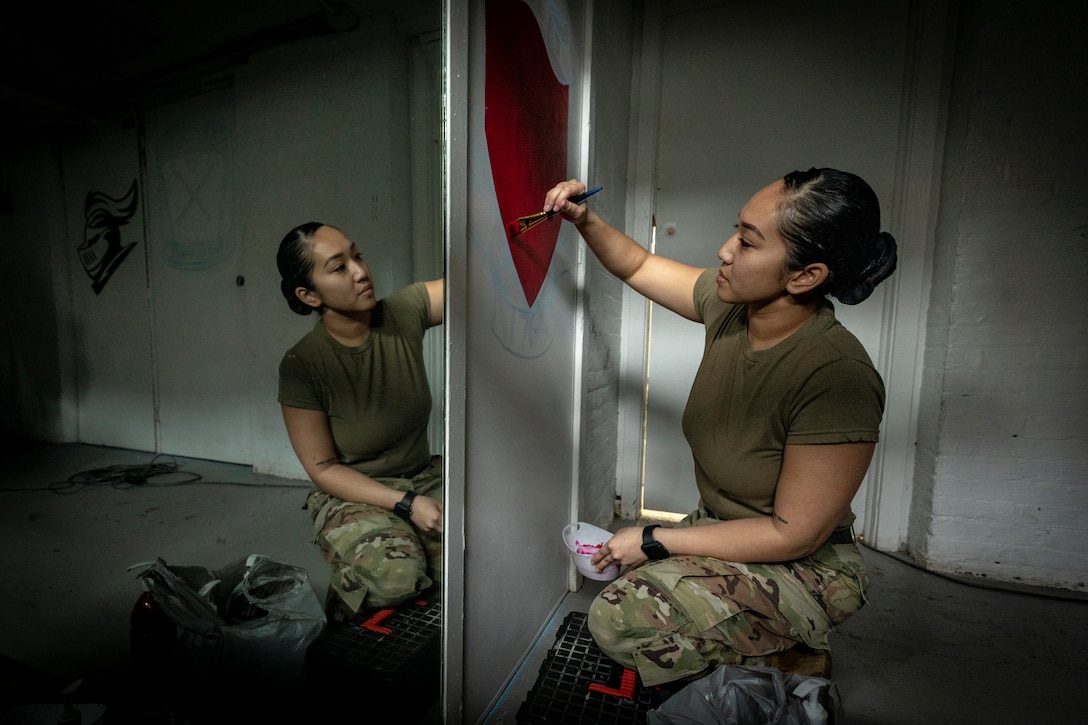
583	540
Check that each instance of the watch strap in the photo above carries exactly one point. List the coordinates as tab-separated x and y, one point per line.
403	508
651	547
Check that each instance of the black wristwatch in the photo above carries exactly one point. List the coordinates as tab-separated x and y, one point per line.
403	508
651	547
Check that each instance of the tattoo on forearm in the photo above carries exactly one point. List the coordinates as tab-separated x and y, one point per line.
780	518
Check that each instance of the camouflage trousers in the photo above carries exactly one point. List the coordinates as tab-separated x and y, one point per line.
682	617
376	558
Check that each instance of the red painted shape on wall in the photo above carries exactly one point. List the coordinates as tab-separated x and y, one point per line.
525	121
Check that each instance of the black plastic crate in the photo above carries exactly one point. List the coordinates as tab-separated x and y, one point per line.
392	656
580	685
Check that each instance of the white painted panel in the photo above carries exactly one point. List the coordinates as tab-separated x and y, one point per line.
518	422
112	351
197	280
518	431
749	93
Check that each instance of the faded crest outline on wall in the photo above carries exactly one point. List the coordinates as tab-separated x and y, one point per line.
191	194
101	251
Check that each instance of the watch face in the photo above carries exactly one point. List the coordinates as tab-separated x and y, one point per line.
653	549
403	508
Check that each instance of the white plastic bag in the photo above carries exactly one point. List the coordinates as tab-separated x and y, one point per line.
253	619
734	695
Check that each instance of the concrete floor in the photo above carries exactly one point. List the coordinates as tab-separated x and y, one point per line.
68	592
927	649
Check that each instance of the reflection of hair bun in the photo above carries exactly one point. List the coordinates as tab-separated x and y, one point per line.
881	265
287	289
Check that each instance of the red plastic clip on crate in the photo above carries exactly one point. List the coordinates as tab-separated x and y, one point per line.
376	619
626	688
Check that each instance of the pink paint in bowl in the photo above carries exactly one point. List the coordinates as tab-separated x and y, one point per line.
583	541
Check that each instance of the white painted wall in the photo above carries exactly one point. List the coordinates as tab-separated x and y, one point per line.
1002	490
528	431
518	419
322	131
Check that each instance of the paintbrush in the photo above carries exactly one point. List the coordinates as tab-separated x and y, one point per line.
525	223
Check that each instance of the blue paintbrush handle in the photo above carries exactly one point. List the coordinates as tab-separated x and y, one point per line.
579	198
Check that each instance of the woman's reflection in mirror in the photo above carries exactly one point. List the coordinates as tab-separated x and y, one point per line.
356	403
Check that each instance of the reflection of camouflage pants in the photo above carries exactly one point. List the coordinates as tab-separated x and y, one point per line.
685	615
377	559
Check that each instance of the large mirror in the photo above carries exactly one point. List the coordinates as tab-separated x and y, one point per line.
154	154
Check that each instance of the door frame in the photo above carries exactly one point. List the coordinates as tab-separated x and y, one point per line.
914	212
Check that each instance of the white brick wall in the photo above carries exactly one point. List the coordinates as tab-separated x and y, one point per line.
1001	485
611	67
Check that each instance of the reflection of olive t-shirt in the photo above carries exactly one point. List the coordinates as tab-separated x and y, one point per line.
816	386
376	395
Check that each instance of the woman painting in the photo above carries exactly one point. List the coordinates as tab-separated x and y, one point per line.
782	420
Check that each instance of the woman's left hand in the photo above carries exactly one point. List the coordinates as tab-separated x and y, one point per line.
427	514
625	548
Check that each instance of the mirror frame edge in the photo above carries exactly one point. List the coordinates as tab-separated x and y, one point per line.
455	14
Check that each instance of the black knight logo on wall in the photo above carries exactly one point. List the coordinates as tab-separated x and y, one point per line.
101	251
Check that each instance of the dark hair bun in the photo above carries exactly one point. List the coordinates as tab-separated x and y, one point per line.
881	265
297	306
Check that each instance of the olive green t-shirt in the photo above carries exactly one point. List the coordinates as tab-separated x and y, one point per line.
376	395
816	386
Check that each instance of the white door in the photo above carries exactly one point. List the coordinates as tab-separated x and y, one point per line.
111	353
746	93
197	280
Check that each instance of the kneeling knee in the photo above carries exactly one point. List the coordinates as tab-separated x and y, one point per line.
610	629
394	586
